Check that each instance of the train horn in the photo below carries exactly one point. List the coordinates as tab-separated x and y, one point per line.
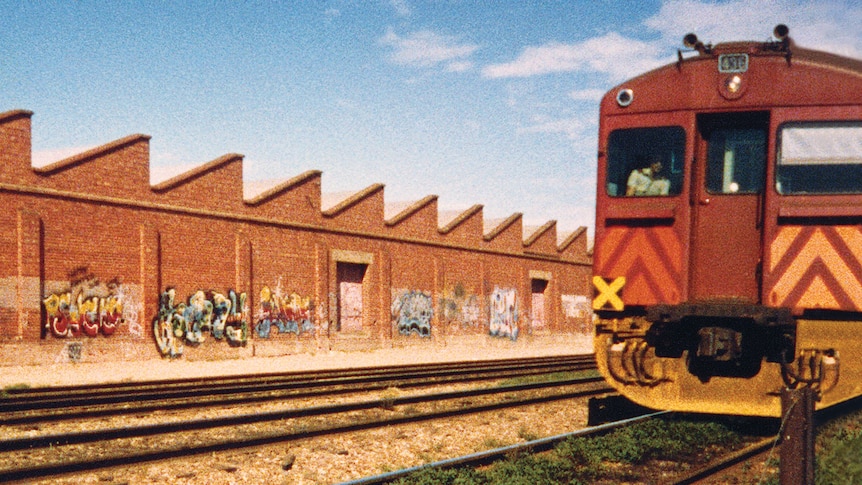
785	44
691	41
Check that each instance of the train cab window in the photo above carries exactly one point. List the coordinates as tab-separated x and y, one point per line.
736	158
646	161
820	158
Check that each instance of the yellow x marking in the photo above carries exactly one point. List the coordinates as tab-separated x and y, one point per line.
607	294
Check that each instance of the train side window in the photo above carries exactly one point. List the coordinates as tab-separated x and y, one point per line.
646	161
735	161
819	158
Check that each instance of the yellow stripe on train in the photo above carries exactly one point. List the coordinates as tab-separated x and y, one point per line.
607	293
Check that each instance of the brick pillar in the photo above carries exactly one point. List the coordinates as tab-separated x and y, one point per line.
323	307
244	276
384	262
31	271
151	278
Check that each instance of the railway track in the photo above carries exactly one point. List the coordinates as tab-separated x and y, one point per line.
753	463
56	404
713	472
764	450
490	456
179	393
96	449
760	450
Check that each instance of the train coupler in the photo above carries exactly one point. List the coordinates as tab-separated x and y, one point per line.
719	344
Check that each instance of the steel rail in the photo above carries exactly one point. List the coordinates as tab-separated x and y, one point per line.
490	456
726	462
48	398
822	416
335	372
229	381
56	469
160	402
80	437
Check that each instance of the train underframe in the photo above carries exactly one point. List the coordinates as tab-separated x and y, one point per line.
728	358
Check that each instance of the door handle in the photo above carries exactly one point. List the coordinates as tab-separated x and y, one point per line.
703	201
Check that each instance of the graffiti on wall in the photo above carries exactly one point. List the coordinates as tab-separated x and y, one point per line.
412	311
72	351
459	307
87	307
504	313
205	312
130	298
292	313
578	307
71	316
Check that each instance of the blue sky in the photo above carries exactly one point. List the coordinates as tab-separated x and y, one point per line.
478	102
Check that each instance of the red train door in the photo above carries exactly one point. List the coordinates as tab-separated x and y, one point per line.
727	202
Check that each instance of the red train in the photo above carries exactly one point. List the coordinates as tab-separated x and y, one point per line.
728	248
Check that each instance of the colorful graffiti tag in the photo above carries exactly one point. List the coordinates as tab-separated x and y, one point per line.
412	311
89	307
457	306
579	309
504	313
68	317
288	314
205	312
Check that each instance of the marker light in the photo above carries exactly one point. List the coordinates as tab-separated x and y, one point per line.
625	97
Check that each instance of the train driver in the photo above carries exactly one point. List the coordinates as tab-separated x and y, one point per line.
648	180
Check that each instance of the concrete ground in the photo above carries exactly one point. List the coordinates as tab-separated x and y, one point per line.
72	373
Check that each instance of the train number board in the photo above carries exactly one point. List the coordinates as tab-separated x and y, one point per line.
733	63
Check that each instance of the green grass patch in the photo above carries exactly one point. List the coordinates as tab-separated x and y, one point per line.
13	387
614	457
552	377
839	446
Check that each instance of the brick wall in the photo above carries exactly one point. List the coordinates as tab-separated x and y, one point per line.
89	240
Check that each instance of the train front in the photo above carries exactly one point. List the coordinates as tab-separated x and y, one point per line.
728	249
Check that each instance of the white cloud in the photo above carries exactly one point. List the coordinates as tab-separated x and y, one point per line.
428	49
587	94
829	25
612	54
402	8
535	61
459	66
572	127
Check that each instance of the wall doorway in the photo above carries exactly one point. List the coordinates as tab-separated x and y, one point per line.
350	278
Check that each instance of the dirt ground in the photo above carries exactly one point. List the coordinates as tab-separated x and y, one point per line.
73	373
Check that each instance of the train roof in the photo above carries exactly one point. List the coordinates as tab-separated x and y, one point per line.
791	53
765	74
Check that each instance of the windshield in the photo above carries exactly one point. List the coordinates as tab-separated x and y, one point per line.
735	162
820	158
646	161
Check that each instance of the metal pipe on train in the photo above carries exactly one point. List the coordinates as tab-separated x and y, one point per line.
728	246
